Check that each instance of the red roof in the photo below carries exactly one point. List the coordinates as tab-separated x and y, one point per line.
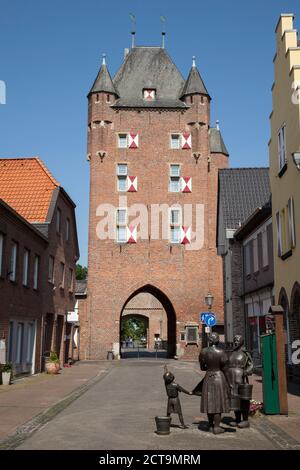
27	186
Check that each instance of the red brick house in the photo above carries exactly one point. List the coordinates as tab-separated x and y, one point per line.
154	163
38	254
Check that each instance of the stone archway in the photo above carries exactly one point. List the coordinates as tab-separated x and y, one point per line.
295	313
162	306
284	302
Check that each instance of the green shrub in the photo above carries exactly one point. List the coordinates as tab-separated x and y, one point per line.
53	357
7	367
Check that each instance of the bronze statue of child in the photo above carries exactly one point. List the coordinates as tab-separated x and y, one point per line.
173	390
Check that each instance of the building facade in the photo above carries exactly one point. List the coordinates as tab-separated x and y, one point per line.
38	254
154	163
241	192
284	148
255	241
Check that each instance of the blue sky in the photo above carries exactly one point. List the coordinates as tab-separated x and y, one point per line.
50	53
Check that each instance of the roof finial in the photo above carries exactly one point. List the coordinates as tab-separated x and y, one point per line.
132	17
103	59
218	124
193	61
163	33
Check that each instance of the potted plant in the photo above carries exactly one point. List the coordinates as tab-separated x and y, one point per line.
6	373
52	363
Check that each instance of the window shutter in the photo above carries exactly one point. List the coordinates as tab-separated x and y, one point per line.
186	184
133	140
186	142
291	218
131	234
279	234
185	235
132	184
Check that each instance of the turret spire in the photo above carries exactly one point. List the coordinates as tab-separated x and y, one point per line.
103	82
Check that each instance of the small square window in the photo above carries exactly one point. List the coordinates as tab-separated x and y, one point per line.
123	141
149	94
175	141
122	169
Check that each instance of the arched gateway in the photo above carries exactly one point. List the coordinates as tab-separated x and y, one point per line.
165	332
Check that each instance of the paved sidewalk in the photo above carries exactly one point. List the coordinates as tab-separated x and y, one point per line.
30	396
287	424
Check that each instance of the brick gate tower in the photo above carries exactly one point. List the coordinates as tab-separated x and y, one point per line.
154	161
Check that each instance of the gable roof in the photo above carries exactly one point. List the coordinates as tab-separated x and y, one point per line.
194	84
27	186
149	67
241	191
103	82
216	142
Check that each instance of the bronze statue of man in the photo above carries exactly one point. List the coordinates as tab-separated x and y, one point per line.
239	367
215	390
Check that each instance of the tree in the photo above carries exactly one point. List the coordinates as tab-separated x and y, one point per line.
134	328
81	272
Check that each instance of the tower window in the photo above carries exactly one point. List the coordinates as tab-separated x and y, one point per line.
122	141
175	225
175	141
97	98
122	172
108	98
202	99
191	99
174	181
121	223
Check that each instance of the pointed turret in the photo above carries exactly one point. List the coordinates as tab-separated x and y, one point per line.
103	82
194	84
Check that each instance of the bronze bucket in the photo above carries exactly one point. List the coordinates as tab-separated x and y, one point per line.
245	391
163	424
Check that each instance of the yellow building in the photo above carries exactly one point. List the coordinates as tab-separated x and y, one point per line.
284	151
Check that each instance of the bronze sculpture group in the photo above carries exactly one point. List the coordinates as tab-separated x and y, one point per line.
224	388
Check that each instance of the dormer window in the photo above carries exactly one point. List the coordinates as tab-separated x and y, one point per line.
149	94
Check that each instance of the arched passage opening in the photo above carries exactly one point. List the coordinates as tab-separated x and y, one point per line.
283	301
295	313
151	308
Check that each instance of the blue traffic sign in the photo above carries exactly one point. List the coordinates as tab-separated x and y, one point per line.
208	318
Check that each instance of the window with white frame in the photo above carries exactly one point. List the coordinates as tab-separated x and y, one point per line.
121	225
36	269
51	269
282	147
13	262
174	182
1	253
122	173
61	275
265	247
291	223
122	141
175	141
175	225
255	255
25	267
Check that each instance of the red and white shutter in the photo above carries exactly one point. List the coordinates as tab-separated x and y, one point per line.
131	234
185	235
149	95
132	184
133	140
186	184
186	140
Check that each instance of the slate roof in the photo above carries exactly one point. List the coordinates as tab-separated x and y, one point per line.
149	67
194	84
241	191
27	186
103	82
216	141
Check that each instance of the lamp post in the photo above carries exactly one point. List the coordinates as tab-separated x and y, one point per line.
296	159
209	300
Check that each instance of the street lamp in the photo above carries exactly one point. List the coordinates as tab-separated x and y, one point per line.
296	158
209	299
